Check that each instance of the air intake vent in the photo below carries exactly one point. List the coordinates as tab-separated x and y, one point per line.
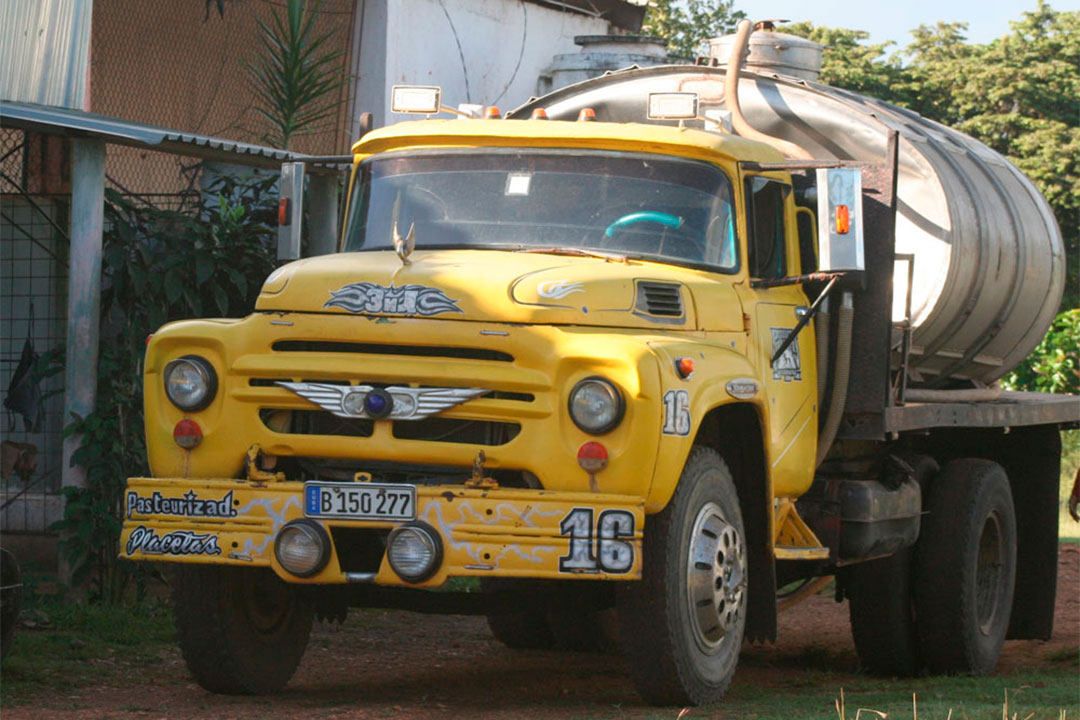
659	299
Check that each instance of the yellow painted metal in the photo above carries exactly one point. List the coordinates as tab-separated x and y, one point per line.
630	137
794	540
500	532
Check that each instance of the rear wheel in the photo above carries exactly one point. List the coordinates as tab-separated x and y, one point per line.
881	605
682	625
242	630
965	568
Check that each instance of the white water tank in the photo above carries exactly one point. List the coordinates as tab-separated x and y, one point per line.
989	259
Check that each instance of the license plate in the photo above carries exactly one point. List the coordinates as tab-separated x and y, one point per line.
360	501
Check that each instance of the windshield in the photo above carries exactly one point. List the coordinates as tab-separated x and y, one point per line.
640	205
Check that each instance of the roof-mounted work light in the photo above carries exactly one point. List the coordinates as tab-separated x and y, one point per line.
673	106
418	99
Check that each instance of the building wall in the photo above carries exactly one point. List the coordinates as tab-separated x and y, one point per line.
486	52
44	51
175	65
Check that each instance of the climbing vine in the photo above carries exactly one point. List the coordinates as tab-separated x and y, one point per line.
158	266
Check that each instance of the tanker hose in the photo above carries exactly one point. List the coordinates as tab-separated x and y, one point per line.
844	320
731	99
821	334
937	396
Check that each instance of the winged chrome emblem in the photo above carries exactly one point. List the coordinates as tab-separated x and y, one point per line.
394	403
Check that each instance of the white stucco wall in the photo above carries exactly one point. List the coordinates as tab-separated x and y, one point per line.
479	51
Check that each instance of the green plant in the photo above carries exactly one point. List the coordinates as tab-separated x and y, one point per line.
295	74
158	266
1054	364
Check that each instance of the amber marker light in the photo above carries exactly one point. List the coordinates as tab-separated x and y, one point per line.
684	366
283	212
492	113
539	114
187	434
843	219
586	115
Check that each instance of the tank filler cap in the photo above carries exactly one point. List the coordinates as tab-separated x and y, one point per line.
773	52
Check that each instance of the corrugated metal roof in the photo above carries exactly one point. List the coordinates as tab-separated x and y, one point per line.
43	58
76	123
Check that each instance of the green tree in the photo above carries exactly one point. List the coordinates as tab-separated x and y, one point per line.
687	24
851	63
1018	94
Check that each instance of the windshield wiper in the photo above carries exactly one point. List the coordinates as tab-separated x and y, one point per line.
578	252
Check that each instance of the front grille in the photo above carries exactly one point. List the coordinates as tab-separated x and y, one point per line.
316	422
383	349
450	430
663	299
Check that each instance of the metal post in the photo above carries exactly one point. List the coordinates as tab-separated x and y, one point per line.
323	213
84	297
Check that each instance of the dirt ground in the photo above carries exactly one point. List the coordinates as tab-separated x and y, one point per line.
397	664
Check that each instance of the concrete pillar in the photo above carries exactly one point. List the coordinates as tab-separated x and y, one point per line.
84	297
84	291
323	213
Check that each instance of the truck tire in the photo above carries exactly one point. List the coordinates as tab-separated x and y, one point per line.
880	603
526	629
242	631
682	625
965	568
882	618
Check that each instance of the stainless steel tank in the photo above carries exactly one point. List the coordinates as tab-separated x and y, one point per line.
989	260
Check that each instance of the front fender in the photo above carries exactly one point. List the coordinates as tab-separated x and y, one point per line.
715	365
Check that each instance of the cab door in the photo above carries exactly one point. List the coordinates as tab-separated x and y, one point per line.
791	381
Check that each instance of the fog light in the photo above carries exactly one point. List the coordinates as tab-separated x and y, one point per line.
187	434
303	548
414	551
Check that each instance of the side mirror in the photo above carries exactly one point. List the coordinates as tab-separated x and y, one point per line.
840	225
290	210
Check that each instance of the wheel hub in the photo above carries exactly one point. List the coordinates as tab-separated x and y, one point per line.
715	577
988	568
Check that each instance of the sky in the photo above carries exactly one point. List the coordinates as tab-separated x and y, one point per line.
892	20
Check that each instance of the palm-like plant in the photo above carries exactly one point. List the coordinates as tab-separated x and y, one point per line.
295	73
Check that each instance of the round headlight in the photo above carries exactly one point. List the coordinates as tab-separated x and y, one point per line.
596	405
303	548
190	383
414	551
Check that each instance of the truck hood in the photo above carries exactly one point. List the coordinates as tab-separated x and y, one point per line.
505	286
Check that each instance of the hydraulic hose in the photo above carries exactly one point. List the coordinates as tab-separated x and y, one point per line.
821	335
844	320
731	99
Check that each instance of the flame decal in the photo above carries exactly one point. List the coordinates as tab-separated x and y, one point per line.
365	297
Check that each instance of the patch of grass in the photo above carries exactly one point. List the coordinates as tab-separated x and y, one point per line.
72	646
1045	694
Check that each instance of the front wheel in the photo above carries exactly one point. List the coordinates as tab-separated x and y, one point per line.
682	625
242	631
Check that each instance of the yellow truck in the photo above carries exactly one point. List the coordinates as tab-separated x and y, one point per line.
587	363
